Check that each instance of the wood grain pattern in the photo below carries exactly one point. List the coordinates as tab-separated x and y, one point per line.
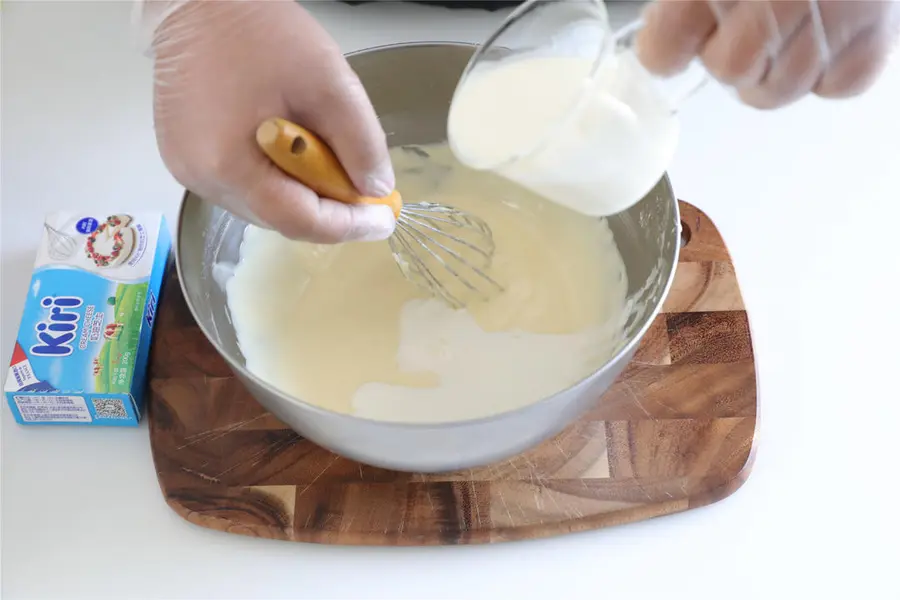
675	432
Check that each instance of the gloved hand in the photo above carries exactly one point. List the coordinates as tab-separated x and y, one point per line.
773	52
221	68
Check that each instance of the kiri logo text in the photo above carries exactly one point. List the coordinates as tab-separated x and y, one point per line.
151	309
56	332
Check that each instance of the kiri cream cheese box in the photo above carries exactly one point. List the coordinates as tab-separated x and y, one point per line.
83	345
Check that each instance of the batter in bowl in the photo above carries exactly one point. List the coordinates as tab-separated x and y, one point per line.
339	327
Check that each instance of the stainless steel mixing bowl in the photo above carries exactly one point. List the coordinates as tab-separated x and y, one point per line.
411	86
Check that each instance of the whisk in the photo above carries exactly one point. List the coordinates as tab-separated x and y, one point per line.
443	250
60	246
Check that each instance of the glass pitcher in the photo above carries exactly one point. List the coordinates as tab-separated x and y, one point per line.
558	102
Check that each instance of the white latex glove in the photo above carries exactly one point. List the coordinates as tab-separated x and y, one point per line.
221	68
773	52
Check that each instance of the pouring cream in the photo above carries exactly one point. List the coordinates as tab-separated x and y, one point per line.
595	144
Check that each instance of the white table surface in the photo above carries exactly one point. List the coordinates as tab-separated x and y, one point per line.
806	198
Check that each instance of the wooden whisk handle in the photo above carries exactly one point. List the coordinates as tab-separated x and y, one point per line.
307	158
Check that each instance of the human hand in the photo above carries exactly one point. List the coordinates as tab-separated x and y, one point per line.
221	69
773	52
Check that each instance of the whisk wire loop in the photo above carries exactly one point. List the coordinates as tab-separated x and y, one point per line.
442	235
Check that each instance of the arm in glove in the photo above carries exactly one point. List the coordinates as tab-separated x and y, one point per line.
773	52
220	69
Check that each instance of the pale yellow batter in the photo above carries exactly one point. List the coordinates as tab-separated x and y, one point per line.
339	326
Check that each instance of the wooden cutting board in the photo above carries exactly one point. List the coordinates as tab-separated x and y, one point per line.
674	433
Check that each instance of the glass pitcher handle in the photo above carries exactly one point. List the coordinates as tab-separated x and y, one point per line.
678	88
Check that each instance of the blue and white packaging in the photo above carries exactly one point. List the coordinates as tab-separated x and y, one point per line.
83	345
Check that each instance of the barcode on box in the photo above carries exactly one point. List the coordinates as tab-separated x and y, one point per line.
109	408
53	409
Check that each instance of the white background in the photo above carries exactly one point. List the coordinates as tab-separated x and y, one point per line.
806	198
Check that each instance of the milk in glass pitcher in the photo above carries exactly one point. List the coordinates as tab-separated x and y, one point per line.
558	102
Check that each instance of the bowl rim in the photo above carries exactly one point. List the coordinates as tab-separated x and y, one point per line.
242	371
